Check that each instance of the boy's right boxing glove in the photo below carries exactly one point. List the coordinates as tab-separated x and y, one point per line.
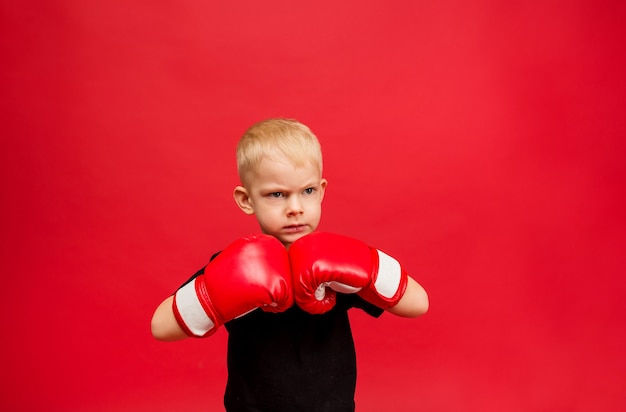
250	273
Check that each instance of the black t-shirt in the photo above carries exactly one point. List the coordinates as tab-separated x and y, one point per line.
293	361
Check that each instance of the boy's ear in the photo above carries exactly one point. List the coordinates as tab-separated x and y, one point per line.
323	184
240	194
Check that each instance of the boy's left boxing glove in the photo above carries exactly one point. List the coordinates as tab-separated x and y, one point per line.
250	273
325	263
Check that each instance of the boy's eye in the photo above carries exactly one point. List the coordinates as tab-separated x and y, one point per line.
276	194
309	190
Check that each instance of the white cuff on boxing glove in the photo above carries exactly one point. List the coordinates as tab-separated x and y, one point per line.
389	282
389	277
189	312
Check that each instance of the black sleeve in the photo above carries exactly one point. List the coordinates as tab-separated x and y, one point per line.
352	300
199	272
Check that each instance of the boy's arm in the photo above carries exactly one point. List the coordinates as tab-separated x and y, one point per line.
164	325
413	303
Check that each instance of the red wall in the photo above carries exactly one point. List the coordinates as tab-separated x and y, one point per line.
481	143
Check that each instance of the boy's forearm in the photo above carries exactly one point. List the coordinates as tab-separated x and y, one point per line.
164	325
414	302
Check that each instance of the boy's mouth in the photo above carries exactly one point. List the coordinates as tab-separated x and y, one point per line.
295	228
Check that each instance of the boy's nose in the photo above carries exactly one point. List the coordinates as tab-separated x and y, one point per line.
295	206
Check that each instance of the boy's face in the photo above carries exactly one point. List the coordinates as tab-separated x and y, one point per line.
286	199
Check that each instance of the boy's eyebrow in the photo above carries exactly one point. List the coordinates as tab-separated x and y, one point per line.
272	187
277	187
315	182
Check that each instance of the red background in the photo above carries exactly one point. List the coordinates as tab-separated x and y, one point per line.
480	143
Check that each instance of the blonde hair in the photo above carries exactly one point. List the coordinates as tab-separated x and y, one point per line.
266	138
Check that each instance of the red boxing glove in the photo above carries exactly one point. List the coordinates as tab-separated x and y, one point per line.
250	273
324	263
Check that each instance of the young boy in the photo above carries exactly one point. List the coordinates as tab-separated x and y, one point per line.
296	353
